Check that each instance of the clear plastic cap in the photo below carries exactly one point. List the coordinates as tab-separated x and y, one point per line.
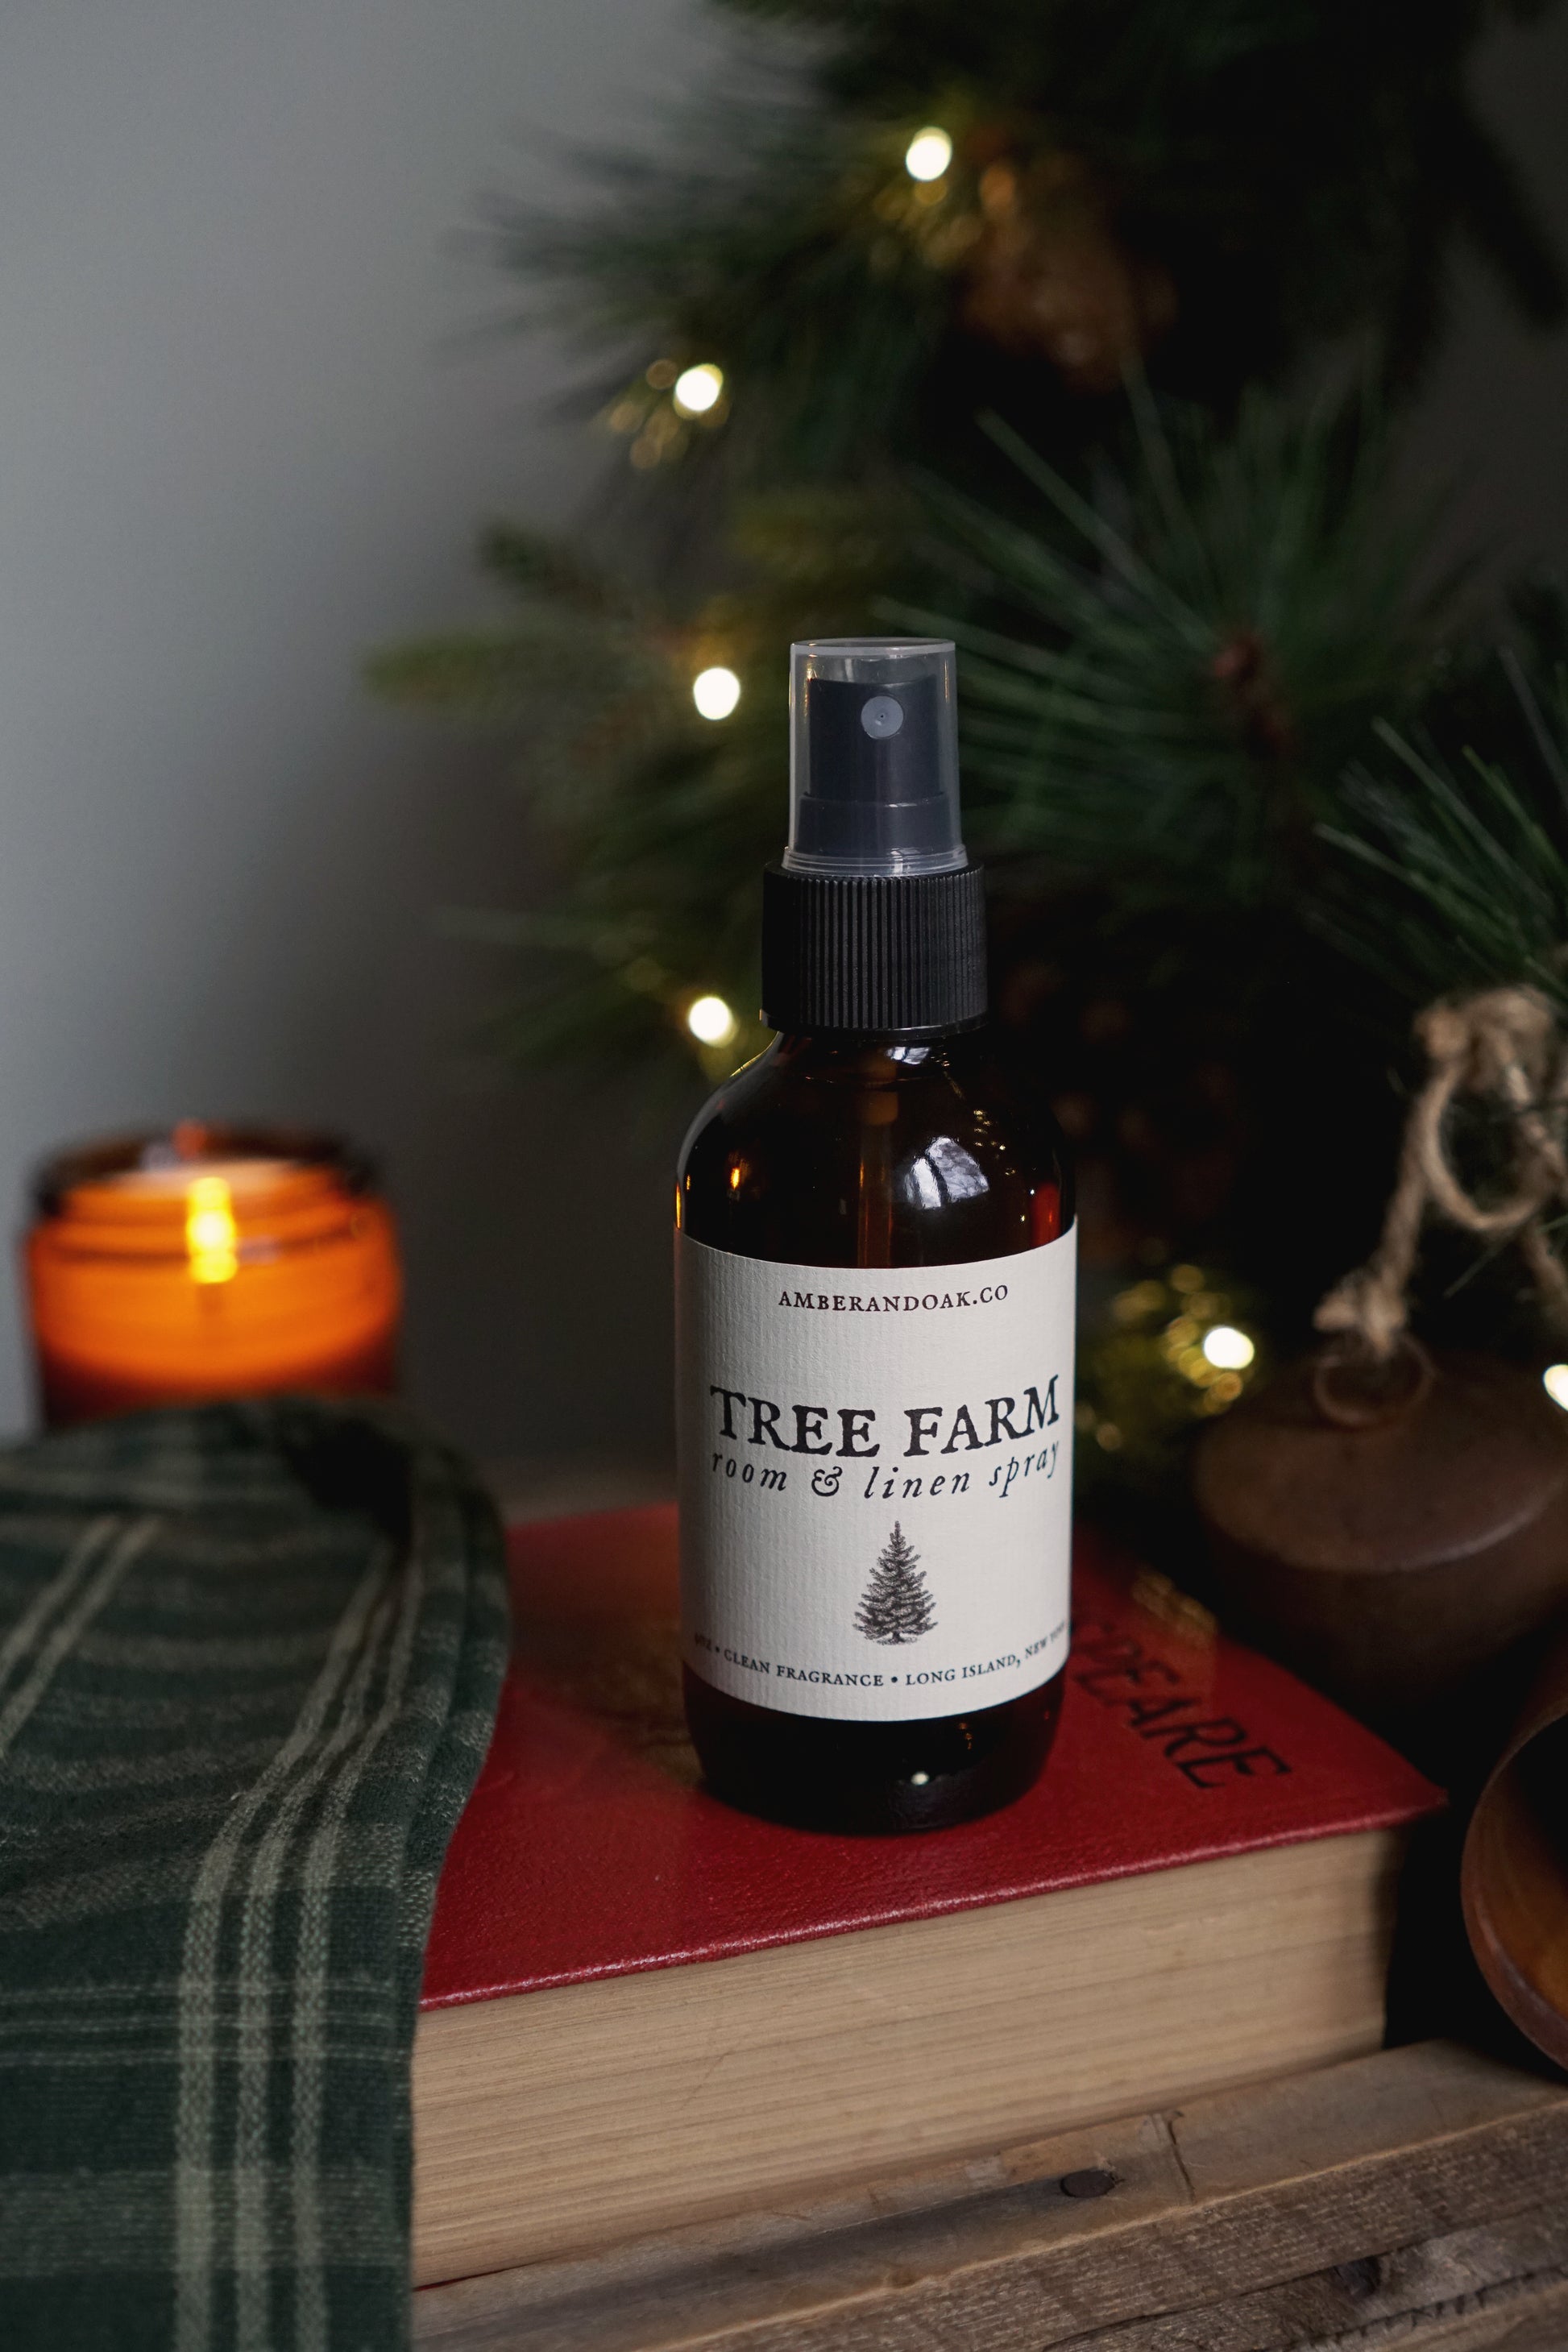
873	768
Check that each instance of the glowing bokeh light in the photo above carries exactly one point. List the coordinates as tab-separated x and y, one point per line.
711	1021
715	692
1228	1349
698	389
1554	1381
928	154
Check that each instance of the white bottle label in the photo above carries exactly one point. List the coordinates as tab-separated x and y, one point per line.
876	1475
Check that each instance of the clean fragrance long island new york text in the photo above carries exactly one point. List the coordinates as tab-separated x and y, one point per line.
875	1292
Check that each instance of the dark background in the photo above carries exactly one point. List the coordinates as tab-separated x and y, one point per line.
251	412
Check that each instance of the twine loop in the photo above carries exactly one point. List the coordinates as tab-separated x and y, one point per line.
1502	1043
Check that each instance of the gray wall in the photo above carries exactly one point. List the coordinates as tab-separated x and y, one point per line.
247	433
242	440
1495	420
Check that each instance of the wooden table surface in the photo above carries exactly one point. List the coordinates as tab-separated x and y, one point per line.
1415	2198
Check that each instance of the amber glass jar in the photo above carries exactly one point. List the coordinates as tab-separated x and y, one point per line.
209	1261
875	1625
825	1152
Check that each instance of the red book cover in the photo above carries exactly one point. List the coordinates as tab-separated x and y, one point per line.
588	1848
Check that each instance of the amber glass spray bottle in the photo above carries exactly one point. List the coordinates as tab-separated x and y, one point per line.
875	1287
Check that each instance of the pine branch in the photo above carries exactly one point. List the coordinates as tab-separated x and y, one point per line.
1163	673
1297	173
1172	700
1455	873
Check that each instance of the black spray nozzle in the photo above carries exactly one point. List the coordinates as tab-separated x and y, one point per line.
873	758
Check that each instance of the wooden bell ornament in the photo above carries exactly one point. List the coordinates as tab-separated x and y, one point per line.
1389	1521
1389	1530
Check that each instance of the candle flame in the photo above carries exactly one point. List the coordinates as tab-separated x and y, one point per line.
211	1234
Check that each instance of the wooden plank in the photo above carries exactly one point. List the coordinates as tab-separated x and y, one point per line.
1468	2287
1417	2196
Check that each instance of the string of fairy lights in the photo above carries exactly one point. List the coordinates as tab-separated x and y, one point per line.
659	413
1184	1323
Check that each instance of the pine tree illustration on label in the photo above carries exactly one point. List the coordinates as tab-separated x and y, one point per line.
896	1605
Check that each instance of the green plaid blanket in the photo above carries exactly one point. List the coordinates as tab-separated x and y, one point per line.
249	1657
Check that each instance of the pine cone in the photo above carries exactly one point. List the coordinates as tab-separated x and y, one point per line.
1047	274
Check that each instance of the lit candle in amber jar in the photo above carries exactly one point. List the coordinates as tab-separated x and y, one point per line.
209	1262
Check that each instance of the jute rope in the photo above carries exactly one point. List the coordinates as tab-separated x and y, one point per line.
1503	1042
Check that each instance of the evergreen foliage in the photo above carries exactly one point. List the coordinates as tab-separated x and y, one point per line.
1458	862
1245	794
896	1605
1222	189
1164	676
